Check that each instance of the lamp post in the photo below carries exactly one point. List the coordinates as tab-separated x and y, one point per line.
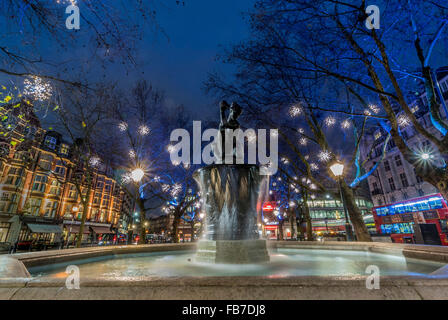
337	169
75	209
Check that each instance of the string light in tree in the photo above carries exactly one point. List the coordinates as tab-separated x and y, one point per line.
403	120
374	108
346	124
176	189
301	130
295	110
122	126
37	88
330	121
143	130
313	166
324	156
303	141
94	161
132	154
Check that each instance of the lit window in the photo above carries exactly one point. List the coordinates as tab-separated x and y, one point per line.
377	135
64	149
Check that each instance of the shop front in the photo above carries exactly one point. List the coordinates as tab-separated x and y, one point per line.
103	235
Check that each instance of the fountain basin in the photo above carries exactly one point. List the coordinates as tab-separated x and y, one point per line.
238	281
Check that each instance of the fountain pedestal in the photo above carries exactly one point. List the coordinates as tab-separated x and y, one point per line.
230	195
232	251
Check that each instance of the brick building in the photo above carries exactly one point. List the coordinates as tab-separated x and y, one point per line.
37	172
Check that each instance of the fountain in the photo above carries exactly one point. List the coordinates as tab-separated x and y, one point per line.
230	194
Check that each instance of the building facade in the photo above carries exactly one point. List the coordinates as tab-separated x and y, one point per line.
327	217
395	179
38	183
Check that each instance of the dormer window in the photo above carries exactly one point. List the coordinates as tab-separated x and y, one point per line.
50	142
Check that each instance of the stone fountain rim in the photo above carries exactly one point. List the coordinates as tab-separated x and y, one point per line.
15	266
21	286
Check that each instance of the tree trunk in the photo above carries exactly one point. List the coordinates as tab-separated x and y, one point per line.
362	234
280	230
141	226
85	209
175	229
309	225
292	222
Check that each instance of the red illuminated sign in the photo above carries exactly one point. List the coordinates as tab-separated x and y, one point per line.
267	206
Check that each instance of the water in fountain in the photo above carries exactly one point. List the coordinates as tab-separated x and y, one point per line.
230	195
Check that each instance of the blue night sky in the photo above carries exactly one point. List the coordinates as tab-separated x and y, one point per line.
196	32
176	58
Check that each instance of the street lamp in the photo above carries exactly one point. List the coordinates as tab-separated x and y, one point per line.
337	169
137	174
75	209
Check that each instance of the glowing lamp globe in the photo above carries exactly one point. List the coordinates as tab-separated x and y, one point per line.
425	156
337	169
137	174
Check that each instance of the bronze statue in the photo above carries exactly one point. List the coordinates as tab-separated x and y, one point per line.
230	122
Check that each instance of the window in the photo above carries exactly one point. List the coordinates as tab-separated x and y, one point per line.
94	215
391	184
64	149
50	142
377	135
391	144
404	180
103	215
444	86
55	188
15	171
398	160
417	177
39	183
60	171
50	209
386	165
35	206
5	196
13	180
72	194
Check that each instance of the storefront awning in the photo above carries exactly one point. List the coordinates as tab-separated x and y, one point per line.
102	230
44	228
